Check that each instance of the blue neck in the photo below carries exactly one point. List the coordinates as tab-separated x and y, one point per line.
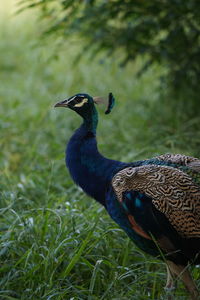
88	168
90	120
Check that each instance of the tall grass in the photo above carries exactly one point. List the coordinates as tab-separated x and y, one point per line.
56	243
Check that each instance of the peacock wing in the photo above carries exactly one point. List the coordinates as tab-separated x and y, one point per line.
173	192
181	159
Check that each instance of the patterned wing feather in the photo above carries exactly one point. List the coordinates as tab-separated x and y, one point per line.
182	160
173	192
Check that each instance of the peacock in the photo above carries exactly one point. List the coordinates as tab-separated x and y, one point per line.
155	201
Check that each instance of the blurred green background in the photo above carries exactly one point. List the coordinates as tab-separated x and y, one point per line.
56	243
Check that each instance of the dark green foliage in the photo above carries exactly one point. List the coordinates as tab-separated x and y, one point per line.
164	32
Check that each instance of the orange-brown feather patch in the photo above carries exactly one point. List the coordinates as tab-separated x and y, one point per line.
137	228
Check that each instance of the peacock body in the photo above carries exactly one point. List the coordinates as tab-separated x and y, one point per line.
155	201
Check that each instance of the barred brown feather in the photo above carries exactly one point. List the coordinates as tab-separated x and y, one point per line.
173	192
184	160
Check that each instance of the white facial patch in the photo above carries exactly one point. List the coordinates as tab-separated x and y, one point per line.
85	100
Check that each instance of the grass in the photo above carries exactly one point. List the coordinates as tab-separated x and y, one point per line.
56	243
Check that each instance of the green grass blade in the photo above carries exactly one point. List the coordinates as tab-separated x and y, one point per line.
78	254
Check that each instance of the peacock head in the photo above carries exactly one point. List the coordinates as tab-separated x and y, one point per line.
84	104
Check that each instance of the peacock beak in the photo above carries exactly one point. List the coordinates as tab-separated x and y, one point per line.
63	103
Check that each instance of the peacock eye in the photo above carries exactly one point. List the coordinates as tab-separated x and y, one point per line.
78	99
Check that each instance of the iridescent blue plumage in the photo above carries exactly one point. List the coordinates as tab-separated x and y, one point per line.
145	197
88	168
